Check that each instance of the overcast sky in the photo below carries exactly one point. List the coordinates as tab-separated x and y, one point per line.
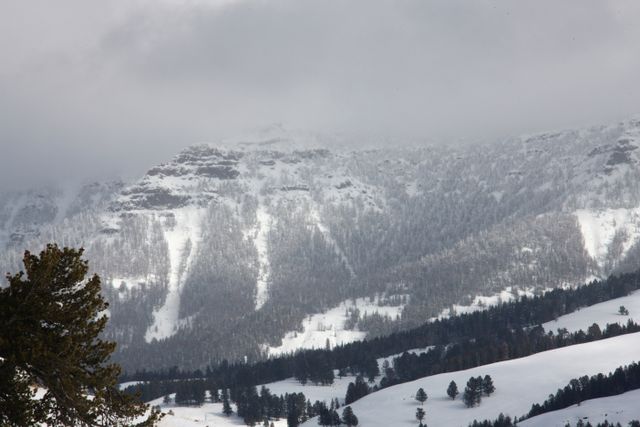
94	88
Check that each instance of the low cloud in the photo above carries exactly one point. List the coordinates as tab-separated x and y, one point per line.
93	89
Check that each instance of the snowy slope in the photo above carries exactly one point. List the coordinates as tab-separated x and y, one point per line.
519	384
602	314
209	414
602	229
615	409
182	240
320	328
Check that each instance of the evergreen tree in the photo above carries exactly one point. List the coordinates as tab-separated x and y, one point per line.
324	416
452	390
226	406
487	385
335	418
348	417
420	415
421	396
50	326
472	395
623	311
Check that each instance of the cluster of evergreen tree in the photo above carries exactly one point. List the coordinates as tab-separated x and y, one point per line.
357	390
501	421
504	344
623	379
476	388
191	393
498	333
330	417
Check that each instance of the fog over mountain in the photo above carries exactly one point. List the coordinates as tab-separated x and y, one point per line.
96	89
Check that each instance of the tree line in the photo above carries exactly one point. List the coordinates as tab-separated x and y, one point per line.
623	379
497	333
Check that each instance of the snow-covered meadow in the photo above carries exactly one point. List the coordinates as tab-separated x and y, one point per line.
519	383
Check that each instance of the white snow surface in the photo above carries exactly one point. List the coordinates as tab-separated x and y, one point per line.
207	415
182	240
615	409
600	226
601	314
337	390
483	302
320	327
261	232
519	383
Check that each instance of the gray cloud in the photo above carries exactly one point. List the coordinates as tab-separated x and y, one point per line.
90	89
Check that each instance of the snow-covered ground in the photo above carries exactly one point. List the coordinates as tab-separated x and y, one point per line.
263	225
337	390
615	409
602	314
330	326
600	226
519	383
207	415
483	302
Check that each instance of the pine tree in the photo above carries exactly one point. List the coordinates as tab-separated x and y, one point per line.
420	415
348	417
421	396
472	395
452	390
50	326
487	385
226	406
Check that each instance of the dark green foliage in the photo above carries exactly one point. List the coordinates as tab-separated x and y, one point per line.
472	395
420	415
226	406
356	390
502	421
51	321
623	311
421	396
349	418
623	379
452	390
487	385
190	393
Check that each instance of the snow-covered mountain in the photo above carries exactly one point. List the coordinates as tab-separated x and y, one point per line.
268	242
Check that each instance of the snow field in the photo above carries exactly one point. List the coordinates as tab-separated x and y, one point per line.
207	415
483	302
519	384
263	225
602	314
320	327
621	408
600	226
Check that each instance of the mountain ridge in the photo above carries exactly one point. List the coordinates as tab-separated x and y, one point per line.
226	250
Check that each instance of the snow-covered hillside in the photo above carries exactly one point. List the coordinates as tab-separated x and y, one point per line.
207	415
329	328
519	383
615	409
601	314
